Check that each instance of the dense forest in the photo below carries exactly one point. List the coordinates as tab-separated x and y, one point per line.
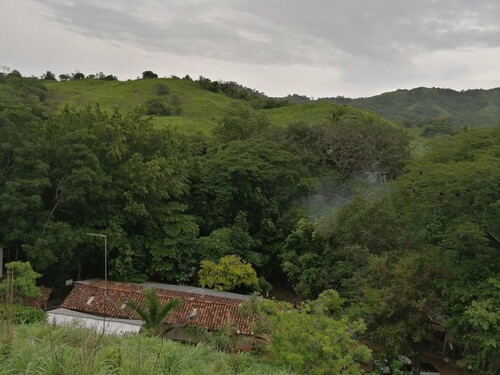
382	232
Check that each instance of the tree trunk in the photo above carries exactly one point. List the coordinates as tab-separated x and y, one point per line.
79	268
417	360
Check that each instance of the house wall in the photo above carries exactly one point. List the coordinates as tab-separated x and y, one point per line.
98	324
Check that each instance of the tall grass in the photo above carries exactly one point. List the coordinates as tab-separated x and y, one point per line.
43	349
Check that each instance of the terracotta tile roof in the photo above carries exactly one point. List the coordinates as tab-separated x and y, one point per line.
213	312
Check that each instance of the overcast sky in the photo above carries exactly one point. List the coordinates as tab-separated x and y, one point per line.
316	48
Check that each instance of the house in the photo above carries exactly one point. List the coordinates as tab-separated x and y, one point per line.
100	305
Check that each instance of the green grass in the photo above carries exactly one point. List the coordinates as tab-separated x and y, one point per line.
43	349
316	113
201	110
312	113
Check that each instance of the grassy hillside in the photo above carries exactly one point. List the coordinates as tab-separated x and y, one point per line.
42	349
423	106
315	113
200	110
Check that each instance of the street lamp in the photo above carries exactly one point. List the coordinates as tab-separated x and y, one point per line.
101	235
105	236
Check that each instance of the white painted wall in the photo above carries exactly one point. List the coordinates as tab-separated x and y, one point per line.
111	326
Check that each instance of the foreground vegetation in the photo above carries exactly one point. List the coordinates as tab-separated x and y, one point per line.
42	349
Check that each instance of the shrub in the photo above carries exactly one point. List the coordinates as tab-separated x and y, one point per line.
162	89
149	74
22	314
157	107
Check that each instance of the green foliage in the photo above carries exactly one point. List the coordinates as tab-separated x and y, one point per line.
374	225
157	107
401	296
174	254
20	314
231	240
303	259
258	178
16	92
77	75
482	322
302	139
318	338
48	76
149	74
42	349
240	123
20	281
353	147
162	89
153	312
91	171
229	273
424	107
255	177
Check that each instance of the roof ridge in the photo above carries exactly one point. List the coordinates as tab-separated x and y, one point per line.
186	296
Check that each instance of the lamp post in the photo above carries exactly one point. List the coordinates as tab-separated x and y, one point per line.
105	236
101	235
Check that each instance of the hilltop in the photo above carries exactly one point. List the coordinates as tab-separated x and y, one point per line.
435	107
193	107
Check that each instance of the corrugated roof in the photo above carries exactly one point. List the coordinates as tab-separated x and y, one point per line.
212	311
197	290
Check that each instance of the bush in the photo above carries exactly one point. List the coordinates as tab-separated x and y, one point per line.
49	76
149	74
157	107
78	75
22	314
162	89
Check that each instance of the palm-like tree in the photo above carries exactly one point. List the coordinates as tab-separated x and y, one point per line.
153	312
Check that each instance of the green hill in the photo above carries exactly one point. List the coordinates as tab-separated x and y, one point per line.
421	107
196	106
193	108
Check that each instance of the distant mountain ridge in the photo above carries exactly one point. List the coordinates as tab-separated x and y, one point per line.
422	106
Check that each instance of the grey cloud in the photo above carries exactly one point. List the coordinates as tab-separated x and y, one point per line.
317	32
206	30
375	28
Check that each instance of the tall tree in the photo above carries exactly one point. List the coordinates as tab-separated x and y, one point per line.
256	177
364	145
229	273
450	197
401	298
92	171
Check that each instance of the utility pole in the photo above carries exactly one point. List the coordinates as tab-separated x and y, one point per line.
2	246
105	236
101	235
